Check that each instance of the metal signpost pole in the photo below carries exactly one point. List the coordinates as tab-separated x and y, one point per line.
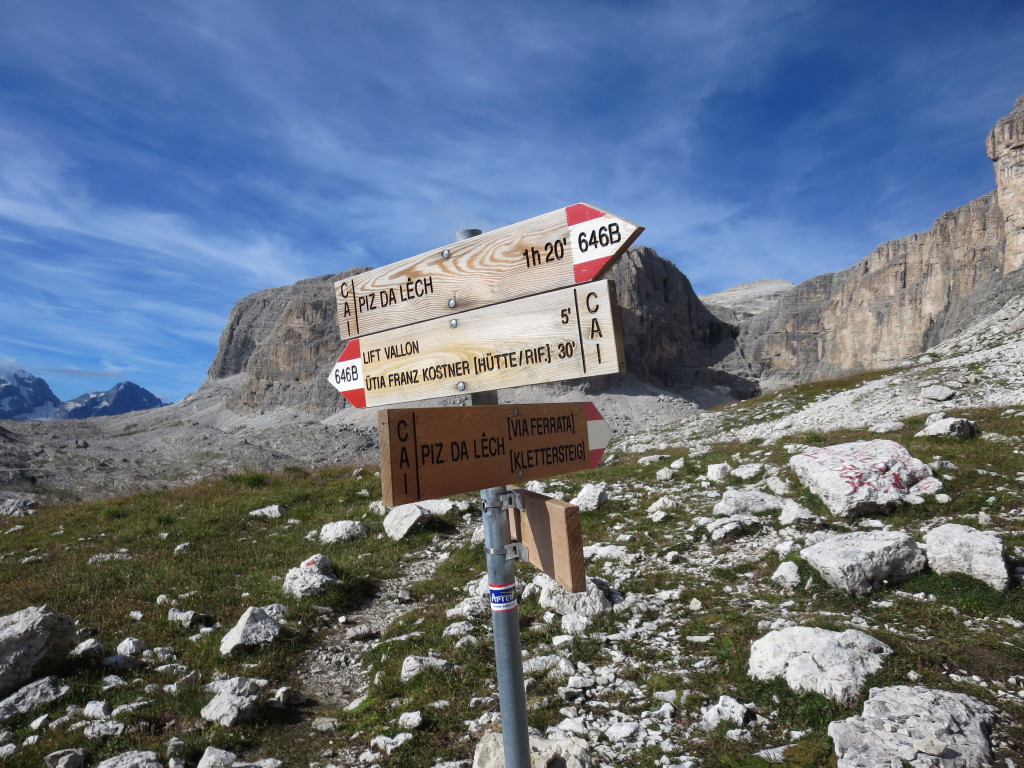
501	579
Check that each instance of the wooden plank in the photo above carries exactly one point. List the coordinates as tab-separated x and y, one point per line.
567	246
550	529
427	453
566	334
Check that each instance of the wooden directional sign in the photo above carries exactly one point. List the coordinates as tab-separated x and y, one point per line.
565	247
427	453
564	334
550	529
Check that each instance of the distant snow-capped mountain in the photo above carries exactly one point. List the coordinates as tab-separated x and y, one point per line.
24	397
121	398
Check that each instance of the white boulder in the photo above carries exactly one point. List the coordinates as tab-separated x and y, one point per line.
227	709
32	641
404	519
949	427
31	696
855	478
719	472
726	710
591	497
255	627
863	562
956	548
792	512
569	751
343	530
555	597
313	576
737	502
134	759
733	525
274	511
214	757
414	665
833	664
787	575
924	727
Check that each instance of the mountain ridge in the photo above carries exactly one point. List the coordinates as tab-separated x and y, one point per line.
26	397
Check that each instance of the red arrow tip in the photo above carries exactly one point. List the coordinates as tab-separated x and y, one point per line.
577	214
350	352
356	396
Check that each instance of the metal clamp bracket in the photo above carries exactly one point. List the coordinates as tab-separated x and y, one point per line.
513	500
515	550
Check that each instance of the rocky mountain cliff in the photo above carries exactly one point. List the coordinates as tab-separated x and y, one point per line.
281	342
906	296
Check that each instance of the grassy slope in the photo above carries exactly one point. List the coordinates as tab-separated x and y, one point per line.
234	554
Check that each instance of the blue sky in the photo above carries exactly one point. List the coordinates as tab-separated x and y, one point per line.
161	160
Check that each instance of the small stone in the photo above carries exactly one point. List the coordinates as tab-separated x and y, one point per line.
718	472
324	724
273	511
410	721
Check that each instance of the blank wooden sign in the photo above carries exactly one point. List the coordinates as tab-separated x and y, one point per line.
550	529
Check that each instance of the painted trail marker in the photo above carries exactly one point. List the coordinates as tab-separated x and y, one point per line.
565	247
428	453
564	334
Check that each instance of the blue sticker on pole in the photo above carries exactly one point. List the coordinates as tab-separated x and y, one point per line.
503	597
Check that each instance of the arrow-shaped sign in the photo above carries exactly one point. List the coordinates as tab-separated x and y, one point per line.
568	246
427	453
566	334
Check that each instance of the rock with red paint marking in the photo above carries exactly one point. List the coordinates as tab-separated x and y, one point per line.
313	576
864	477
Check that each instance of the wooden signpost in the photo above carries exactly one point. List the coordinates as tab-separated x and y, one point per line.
427	453
565	247
554	336
503	309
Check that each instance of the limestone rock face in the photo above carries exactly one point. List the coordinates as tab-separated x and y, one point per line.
673	340
905	297
1006	149
281	341
909	294
742	301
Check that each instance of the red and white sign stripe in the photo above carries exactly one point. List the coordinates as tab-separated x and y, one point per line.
347	374
599	434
